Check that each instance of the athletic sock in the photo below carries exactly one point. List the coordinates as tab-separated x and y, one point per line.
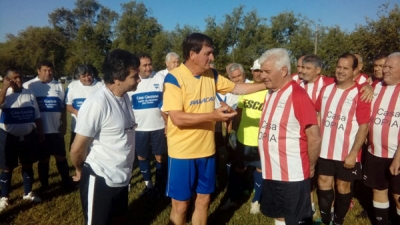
381	210
5	180
144	166
43	171
342	202
159	173
257	176
27	177
277	222
62	167
325	199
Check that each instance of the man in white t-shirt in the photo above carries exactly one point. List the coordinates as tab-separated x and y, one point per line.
150	133
19	118
171	61
49	94
106	126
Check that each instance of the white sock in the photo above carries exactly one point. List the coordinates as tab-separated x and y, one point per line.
332	209
277	222
380	205
313	206
398	211
149	183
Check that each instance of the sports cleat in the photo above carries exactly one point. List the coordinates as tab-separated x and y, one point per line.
255	207
31	196
3	203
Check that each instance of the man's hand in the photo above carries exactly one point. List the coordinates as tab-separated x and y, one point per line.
367	93
312	171
77	176
224	113
350	161
395	167
6	83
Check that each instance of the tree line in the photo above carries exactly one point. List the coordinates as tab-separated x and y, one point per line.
84	34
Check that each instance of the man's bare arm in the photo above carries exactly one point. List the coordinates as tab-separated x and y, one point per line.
395	166
350	160
184	119
72	110
246	88
314	146
79	152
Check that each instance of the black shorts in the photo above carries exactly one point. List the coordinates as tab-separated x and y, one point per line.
246	156
377	175
289	200
13	148
99	201
336	169
147	142
52	145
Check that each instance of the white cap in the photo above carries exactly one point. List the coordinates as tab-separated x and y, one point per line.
256	65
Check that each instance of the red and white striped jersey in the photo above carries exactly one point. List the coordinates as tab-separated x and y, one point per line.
361	78
313	89
341	112
384	126
296	78
282	139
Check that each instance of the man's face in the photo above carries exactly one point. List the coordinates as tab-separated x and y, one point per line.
131	82
237	76
378	68
257	76
344	71
391	71
310	72
172	63
273	78
145	68
300	67
86	79
45	74
204	58
15	80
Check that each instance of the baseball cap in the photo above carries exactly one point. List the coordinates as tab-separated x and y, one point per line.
256	65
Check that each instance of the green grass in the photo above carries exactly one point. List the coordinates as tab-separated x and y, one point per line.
61	208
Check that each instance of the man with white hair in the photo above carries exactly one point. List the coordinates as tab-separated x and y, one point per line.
382	166
171	61
289	142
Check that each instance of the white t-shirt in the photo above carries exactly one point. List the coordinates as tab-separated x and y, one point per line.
105	118
50	99
163	72
19	112
147	102
76	94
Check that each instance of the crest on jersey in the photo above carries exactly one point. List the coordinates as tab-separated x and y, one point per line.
348	101
156	86
280	106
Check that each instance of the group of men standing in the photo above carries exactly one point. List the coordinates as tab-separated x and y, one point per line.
289	128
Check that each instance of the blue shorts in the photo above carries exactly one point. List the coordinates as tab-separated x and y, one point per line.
189	176
147	142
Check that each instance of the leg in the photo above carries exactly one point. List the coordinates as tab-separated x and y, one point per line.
5	180
159	149
343	199
325	196
178	212
27	177
380	202
397	200
201	209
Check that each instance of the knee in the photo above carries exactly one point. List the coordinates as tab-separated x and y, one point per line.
180	208
324	183
343	187
202	200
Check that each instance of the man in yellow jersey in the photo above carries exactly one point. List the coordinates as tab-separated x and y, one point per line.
189	95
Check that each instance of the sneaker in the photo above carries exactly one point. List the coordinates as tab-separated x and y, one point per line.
3	203
255	207
229	205
147	192
31	196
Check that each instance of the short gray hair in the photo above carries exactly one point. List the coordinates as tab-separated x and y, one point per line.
235	66
171	54
394	54
280	55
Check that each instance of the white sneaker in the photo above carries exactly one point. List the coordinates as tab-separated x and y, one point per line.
3	203
31	196
255	207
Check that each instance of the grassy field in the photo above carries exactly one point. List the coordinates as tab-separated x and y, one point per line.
61	208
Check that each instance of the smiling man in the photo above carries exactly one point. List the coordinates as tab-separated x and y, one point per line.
343	119
189	98
106	126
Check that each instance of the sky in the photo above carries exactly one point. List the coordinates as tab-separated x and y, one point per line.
17	15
